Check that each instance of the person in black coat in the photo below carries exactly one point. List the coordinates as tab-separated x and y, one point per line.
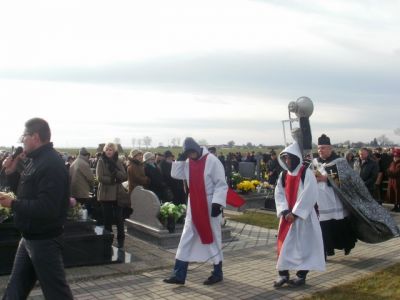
176	186
369	170
156	181
274	169
40	211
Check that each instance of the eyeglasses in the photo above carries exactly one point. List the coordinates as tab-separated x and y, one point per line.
25	134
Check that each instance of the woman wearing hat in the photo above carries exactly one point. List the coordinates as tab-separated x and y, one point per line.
394	180
136	175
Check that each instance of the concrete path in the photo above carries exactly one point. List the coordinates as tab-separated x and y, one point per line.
249	271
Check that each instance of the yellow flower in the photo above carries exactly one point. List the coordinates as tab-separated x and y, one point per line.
245	186
255	182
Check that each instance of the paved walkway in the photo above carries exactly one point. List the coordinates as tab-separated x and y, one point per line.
249	271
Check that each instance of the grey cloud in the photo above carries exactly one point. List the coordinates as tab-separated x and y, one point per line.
284	74
198	123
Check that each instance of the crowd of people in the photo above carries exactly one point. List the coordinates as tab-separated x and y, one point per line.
43	181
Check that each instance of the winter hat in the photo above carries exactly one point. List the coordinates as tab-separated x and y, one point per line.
147	156
134	152
324	140
83	151
190	144
168	154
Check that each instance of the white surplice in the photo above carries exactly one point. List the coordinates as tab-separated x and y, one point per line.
190	247
303	247
329	205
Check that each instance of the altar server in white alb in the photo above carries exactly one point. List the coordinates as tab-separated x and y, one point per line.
201	239
300	246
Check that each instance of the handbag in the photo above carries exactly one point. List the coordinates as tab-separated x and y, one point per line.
123	196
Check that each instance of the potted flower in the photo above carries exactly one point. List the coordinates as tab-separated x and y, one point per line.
236	178
170	214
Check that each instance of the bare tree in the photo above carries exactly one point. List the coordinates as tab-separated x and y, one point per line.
383	140
139	141
133	140
202	142
173	142
231	144
147	141
117	141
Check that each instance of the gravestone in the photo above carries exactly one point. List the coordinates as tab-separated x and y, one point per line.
83	246
146	207
144	223
247	169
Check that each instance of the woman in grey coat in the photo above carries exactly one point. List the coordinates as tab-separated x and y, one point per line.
111	173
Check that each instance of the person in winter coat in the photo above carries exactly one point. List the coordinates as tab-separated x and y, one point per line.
81	178
111	173
40	211
369	170
393	174
136	175
201	238
156	182
176	186
300	244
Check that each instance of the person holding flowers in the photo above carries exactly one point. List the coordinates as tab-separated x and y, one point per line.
201	239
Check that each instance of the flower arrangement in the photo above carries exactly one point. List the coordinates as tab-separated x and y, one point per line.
245	186
236	178
256	183
169	209
5	212
266	185
75	209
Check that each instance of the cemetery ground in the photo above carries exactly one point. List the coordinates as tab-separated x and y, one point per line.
249	272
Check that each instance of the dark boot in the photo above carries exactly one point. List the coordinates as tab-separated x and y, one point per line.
216	275
300	278
180	272
282	279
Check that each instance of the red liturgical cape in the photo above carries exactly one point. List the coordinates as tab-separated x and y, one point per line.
198	200
291	189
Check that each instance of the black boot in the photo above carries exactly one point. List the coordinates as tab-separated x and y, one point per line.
300	278
216	275
180	272
282	279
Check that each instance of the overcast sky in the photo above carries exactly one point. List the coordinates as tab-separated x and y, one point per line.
216	70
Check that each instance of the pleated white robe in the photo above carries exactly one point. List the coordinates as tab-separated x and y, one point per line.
303	247
190	247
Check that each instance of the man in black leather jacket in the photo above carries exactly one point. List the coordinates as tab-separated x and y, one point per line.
40	211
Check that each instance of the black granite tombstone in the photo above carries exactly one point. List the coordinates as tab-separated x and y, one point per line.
83	244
